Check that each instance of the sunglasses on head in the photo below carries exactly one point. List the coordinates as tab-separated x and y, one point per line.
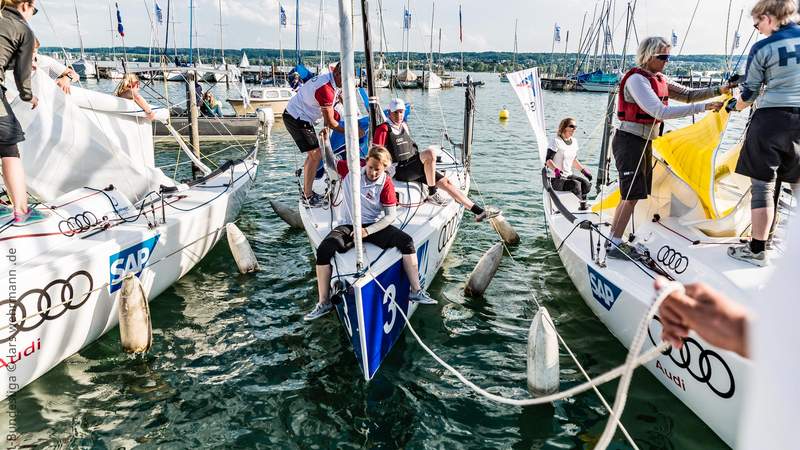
662	57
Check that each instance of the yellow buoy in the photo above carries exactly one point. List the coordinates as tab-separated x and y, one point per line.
504	114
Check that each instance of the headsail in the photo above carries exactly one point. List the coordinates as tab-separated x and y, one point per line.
527	86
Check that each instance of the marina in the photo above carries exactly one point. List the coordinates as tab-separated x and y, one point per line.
370	249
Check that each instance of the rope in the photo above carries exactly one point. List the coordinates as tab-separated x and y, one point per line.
632	361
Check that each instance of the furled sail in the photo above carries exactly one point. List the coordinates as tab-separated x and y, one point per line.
84	139
527	86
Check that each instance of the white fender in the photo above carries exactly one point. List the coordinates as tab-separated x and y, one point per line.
328	158
505	230
135	329
543	365
240	248
484	271
289	215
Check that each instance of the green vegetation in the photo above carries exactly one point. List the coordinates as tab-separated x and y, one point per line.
473	61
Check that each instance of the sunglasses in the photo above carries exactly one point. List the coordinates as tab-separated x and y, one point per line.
662	57
755	25
572	126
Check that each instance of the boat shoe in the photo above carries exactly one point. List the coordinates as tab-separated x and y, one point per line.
32	216
438	199
422	297
743	253
319	310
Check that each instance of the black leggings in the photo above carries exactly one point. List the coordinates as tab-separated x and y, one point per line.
339	241
579	185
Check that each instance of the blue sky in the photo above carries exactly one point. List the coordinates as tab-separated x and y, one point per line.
254	23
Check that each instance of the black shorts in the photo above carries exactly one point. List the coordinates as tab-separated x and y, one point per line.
339	240
771	149
413	170
635	171
10	130
302	132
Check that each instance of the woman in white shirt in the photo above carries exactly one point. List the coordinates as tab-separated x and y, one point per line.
562	159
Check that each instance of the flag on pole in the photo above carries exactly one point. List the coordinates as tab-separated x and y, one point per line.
460	27
674	38
120	29
736	38
557	34
283	17
407	20
159	15
245	94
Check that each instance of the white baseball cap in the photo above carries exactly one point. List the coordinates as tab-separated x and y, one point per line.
397	104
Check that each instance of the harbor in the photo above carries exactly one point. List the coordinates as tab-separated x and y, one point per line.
373	245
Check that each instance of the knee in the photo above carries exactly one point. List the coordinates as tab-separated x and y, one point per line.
314	155
761	194
325	252
405	244
426	155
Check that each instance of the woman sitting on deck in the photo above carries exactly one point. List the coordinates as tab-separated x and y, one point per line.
211	106
562	152
129	88
378	212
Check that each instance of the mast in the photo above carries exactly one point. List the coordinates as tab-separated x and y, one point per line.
191	42
514	58
430	58
297	31
373	99
350	124
78	24
408	38
221	47
280	40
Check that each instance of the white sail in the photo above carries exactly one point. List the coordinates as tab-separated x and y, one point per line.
68	146
526	84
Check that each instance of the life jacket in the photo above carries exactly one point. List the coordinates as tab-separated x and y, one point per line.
631	111
401	146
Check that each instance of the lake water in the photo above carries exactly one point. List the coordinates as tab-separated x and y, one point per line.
234	366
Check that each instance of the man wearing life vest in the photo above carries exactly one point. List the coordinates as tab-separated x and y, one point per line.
414	165
313	101
643	105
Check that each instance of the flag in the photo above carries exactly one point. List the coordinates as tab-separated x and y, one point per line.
460	27
674	38
159	15
736	38
120	29
407	20
283	17
557	34
245	95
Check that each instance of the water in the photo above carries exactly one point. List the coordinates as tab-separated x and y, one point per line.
234	366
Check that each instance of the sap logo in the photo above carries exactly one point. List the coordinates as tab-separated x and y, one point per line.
604	291
131	260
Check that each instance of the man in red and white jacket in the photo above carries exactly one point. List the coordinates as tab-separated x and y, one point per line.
313	101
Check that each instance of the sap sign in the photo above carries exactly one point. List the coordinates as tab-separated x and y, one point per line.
604	291
131	260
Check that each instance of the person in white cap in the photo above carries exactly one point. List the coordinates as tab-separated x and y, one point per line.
415	165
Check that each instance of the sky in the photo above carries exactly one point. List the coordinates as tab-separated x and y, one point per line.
254	23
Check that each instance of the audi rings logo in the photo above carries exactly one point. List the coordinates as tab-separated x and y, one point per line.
701	364
448	231
77	224
672	259
51	302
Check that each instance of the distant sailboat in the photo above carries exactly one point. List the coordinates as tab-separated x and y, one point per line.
430	80
406	78
84	67
503	77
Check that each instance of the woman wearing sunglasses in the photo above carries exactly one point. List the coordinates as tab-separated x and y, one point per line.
562	159
16	53
771	150
643	105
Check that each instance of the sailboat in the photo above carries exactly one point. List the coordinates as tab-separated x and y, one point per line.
503	76
430	80
82	66
406	78
699	206
90	166
369	284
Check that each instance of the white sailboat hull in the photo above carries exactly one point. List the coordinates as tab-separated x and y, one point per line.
66	293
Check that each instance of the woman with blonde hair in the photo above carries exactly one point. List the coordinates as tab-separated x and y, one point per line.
378	212
771	150
16	53
129	88
643	105
562	158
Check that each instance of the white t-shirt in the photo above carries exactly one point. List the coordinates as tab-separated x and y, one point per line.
771	410
565	153
313	94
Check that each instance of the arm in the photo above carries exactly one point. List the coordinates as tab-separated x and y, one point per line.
143	104
755	74
688	95
389	215
381	133
638	88
330	119
24	66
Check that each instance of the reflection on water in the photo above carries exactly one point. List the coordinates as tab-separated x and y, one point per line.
234	366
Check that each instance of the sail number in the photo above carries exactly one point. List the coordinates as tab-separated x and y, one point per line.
448	231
